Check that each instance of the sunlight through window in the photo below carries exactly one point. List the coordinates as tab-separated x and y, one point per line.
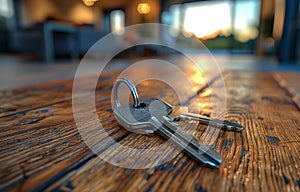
117	19
208	19
246	20
6	8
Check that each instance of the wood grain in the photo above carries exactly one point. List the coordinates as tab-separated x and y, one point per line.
36	138
290	82
264	157
41	148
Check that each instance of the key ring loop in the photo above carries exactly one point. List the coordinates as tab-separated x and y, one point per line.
131	88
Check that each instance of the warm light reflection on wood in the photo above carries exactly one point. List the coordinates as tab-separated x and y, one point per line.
198	78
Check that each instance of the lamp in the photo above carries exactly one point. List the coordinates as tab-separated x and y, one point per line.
143	8
89	2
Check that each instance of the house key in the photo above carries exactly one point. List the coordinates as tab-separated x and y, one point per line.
149	115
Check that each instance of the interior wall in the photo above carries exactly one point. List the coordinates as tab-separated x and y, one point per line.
74	11
134	17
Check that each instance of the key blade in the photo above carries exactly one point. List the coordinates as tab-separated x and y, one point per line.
202	154
236	126
193	141
228	125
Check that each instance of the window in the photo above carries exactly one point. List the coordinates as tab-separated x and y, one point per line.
208	19
117	21
228	24
6	8
246	20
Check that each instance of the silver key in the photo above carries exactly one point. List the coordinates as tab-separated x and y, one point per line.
150	115
224	124
135	119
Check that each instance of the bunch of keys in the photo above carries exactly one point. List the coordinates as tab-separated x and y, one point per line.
150	115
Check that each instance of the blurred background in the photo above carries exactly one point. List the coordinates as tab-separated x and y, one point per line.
44	40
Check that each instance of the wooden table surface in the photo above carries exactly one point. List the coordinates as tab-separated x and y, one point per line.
41	148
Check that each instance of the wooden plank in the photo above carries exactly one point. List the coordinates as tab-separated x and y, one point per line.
263	157
13	101
271	140
290	82
37	145
254	100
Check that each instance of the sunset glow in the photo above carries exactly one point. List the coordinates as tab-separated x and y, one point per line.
208	21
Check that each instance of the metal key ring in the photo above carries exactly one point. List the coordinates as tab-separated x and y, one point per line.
132	90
